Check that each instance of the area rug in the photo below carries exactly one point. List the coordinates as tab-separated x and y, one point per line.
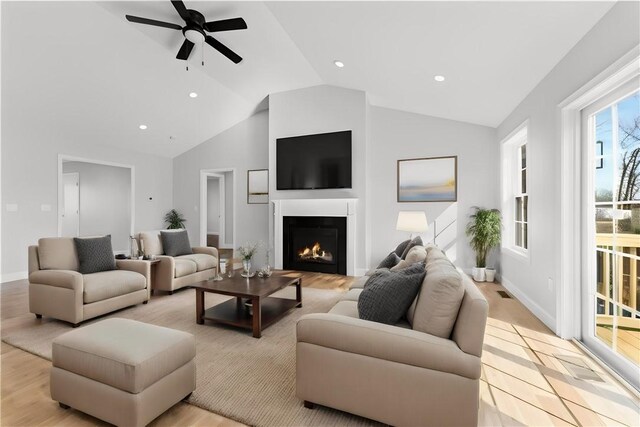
246	379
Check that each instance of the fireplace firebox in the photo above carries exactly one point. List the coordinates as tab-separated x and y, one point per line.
313	243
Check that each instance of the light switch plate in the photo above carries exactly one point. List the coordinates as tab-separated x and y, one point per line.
45	208
12	207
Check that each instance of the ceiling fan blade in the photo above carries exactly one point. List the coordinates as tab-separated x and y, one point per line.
185	50
146	21
181	8
226	25
223	49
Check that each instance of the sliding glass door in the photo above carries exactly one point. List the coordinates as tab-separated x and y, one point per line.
611	303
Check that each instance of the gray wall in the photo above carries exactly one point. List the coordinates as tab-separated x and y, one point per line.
229	189
322	109
612	37
105	201
243	147
398	135
29	180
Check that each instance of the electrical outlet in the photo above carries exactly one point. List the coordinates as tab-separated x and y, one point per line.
45	208
550	283
12	207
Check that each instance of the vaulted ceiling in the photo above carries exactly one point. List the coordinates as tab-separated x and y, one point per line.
86	69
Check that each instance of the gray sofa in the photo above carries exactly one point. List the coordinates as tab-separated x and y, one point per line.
174	273
58	290
396	374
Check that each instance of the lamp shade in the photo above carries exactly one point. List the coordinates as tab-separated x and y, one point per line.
412	221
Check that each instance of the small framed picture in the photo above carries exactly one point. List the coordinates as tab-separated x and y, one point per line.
258	186
433	179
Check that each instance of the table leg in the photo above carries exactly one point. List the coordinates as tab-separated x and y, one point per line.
299	292
199	306
239	304
257	317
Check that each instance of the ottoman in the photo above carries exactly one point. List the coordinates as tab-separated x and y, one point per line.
122	371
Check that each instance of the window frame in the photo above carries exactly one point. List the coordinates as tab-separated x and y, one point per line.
511	183
522	224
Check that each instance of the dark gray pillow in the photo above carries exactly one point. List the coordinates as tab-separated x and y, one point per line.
175	243
390	261
95	254
399	250
417	241
387	295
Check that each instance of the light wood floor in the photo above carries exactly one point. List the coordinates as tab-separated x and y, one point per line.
529	376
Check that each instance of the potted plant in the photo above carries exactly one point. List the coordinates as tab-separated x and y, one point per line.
174	220
484	230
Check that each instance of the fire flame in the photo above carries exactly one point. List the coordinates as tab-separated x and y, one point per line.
313	252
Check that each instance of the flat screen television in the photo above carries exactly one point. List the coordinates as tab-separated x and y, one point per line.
313	162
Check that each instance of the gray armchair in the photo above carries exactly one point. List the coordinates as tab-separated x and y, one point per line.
58	290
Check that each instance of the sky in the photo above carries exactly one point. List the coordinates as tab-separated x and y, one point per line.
628	110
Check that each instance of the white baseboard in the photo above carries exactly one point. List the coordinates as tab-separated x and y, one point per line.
10	277
533	307
360	272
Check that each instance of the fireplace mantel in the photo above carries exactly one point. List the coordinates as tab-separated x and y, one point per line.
319	208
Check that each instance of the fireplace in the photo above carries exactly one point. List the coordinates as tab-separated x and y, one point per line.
312	243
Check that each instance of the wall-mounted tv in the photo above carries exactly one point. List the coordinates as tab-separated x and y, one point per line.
313	162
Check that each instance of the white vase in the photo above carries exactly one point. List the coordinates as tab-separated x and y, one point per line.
478	274
490	274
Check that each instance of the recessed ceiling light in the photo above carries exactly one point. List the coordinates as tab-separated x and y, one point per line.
339	64
438	78
143	127
193	95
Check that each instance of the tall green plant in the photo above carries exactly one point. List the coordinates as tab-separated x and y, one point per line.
174	219
484	230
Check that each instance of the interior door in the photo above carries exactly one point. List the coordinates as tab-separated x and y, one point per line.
71	208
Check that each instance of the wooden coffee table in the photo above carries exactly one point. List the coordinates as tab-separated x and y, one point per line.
266	309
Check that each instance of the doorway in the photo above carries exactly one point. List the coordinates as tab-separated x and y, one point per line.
217	208
71	205
611	216
96	198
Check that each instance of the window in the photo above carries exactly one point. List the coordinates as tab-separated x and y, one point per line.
521	199
613	136
515	198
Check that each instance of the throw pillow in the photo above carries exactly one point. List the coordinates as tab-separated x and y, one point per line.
399	250
417	241
95	254
439	300
387	294
391	260
151	243
416	254
176	243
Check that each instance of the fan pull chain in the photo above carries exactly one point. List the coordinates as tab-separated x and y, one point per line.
202	52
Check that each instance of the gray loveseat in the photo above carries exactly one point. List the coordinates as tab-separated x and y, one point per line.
177	272
396	374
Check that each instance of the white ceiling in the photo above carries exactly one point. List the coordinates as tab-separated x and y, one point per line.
491	53
87	71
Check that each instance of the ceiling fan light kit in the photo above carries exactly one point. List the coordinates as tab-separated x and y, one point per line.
196	29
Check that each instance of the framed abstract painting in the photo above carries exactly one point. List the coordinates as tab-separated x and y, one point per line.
258	186
433	179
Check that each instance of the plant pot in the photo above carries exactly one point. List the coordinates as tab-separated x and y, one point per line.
490	274
478	274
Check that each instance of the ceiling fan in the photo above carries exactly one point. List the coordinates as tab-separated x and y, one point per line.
195	30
